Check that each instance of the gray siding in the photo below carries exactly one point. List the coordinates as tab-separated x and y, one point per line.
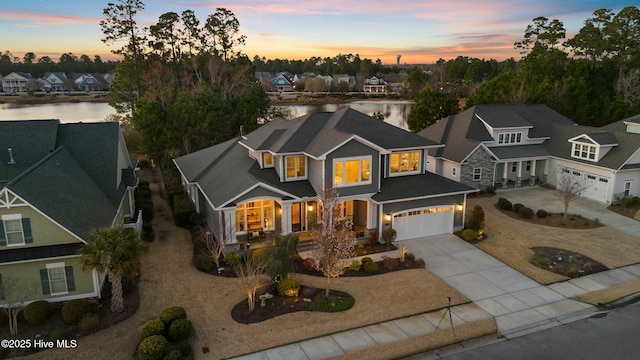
354	149
315	174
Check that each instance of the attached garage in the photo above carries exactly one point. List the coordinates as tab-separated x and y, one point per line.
596	187
415	223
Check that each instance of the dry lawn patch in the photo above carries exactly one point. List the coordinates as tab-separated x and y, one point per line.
607	296
510	240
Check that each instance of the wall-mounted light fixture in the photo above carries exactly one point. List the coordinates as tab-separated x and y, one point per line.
310	207
459	207
388	217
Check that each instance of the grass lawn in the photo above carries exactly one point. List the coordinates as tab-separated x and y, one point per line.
510	240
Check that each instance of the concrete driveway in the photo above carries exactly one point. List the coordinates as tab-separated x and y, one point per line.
542	198
518	303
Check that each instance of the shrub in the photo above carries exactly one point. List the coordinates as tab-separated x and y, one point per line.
491	189
370	267
573	272
289	287
180	330
309	263
168	315
476	219
516	207
182	210
504	204
373	237
59	334
232	258
204	263
525	213
542	214
390	263
147	211
355	266
74	310
366	259
37	312
257	256
333	303
185	348
173	355
420	263
469	234
388	235
153	348
89	322
410	256
153	327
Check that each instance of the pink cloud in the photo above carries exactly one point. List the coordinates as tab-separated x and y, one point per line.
37	18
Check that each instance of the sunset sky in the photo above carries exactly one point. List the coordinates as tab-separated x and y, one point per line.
422	31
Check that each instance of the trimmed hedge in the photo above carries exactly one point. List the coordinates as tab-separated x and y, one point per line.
542	214
89	322
289	287
370	267
504	204
525	213
469	234
180	330
74	310
37	312
182	210
517	207
153	327
153	348
168	315
204	263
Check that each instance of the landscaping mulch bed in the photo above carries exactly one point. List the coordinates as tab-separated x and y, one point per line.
56	322
278	305
556	220
564	262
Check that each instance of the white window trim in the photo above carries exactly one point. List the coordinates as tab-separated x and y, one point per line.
453	171
577	146
62	266
344	169
505	138
12	217
273	160
479	174
297	168
262	206
408	172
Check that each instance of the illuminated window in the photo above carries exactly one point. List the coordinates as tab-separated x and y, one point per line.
404	163
348	172
296	167
268	160
255	216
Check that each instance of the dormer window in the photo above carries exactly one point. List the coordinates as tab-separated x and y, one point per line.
268	160
584	151
510	138
296	167
404	163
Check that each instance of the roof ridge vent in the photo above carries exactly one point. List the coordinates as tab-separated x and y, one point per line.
11	160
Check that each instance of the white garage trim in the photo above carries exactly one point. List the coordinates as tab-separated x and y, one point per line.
596	187
413	223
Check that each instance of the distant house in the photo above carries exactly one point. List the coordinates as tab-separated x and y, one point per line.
90	82
374	84
57	183
511	144
17	82
55	82
282	82
350	80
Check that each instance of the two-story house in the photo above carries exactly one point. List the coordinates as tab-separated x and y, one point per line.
16	82
511	144
269	180
55	82
57	183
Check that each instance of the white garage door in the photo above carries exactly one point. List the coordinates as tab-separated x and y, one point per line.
596	187
423	222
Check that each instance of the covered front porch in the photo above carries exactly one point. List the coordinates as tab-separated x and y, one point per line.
522	172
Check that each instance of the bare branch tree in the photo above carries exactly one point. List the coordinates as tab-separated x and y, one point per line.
252	278
334	238
214	245
569	187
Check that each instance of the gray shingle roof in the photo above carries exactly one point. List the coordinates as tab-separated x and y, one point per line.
603	138
559	145
69	172
516	152
318	133
418	186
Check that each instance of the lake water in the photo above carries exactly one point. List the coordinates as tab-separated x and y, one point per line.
395	112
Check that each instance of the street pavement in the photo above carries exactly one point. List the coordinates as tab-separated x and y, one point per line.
519	305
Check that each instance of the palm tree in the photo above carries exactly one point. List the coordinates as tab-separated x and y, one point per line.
117	252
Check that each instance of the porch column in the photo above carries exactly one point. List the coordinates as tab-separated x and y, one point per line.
372	215
546	170
286	218
229	224
519	174
532	174
504	175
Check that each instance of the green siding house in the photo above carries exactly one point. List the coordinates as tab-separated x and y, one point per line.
57	183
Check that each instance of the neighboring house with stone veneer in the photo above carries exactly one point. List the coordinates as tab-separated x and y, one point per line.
269	181
512	144
57	183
